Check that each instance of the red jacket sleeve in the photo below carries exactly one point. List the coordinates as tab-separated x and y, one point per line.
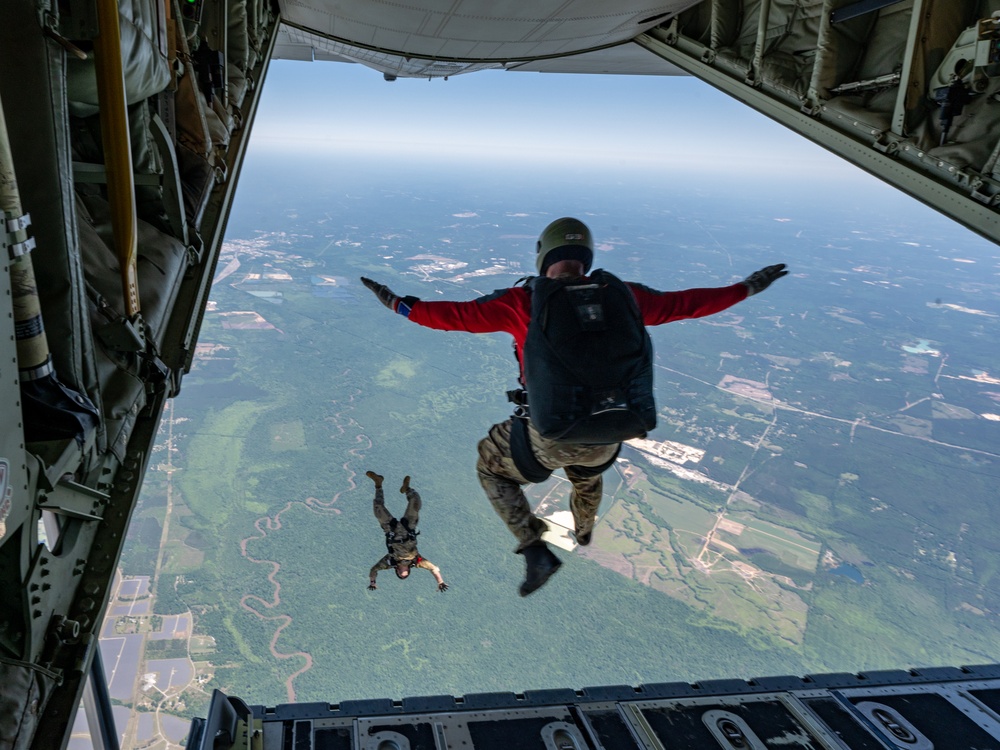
509	310
665	307
506	310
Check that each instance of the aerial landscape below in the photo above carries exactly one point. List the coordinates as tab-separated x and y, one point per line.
817	496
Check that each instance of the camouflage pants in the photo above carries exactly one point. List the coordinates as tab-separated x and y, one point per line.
402	547
502	481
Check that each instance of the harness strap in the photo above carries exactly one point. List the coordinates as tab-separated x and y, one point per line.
393	562
390	536
522	454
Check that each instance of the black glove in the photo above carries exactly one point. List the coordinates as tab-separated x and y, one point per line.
442	587
390	299
372	586
760	280
385	294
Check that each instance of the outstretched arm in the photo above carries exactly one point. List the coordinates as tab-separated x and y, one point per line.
504	310
382	564
665	307
435	571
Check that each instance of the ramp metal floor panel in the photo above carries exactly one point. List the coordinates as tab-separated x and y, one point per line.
940	708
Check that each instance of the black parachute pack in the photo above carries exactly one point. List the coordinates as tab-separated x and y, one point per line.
588	361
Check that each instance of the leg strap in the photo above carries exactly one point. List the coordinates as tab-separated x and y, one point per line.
522	455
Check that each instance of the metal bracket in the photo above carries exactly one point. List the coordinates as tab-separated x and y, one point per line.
672	30
123	335
978	193
17	223
884	145
21	248
882	148
75	501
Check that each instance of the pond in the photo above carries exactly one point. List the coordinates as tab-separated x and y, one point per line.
849	571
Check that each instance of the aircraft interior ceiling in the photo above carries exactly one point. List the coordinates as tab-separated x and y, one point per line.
123	126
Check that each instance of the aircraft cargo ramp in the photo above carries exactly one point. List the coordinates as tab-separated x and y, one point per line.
943	708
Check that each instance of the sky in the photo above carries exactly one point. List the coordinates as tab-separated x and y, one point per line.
636	122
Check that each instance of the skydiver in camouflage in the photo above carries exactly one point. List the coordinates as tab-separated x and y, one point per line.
400	536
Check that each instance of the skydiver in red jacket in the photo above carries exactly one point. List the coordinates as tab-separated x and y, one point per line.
564	251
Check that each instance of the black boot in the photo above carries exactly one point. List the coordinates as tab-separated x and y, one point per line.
541	563
580	520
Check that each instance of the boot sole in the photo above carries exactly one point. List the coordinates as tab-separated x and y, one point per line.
524	590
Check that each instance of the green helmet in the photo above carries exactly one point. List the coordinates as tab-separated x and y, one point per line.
565	239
